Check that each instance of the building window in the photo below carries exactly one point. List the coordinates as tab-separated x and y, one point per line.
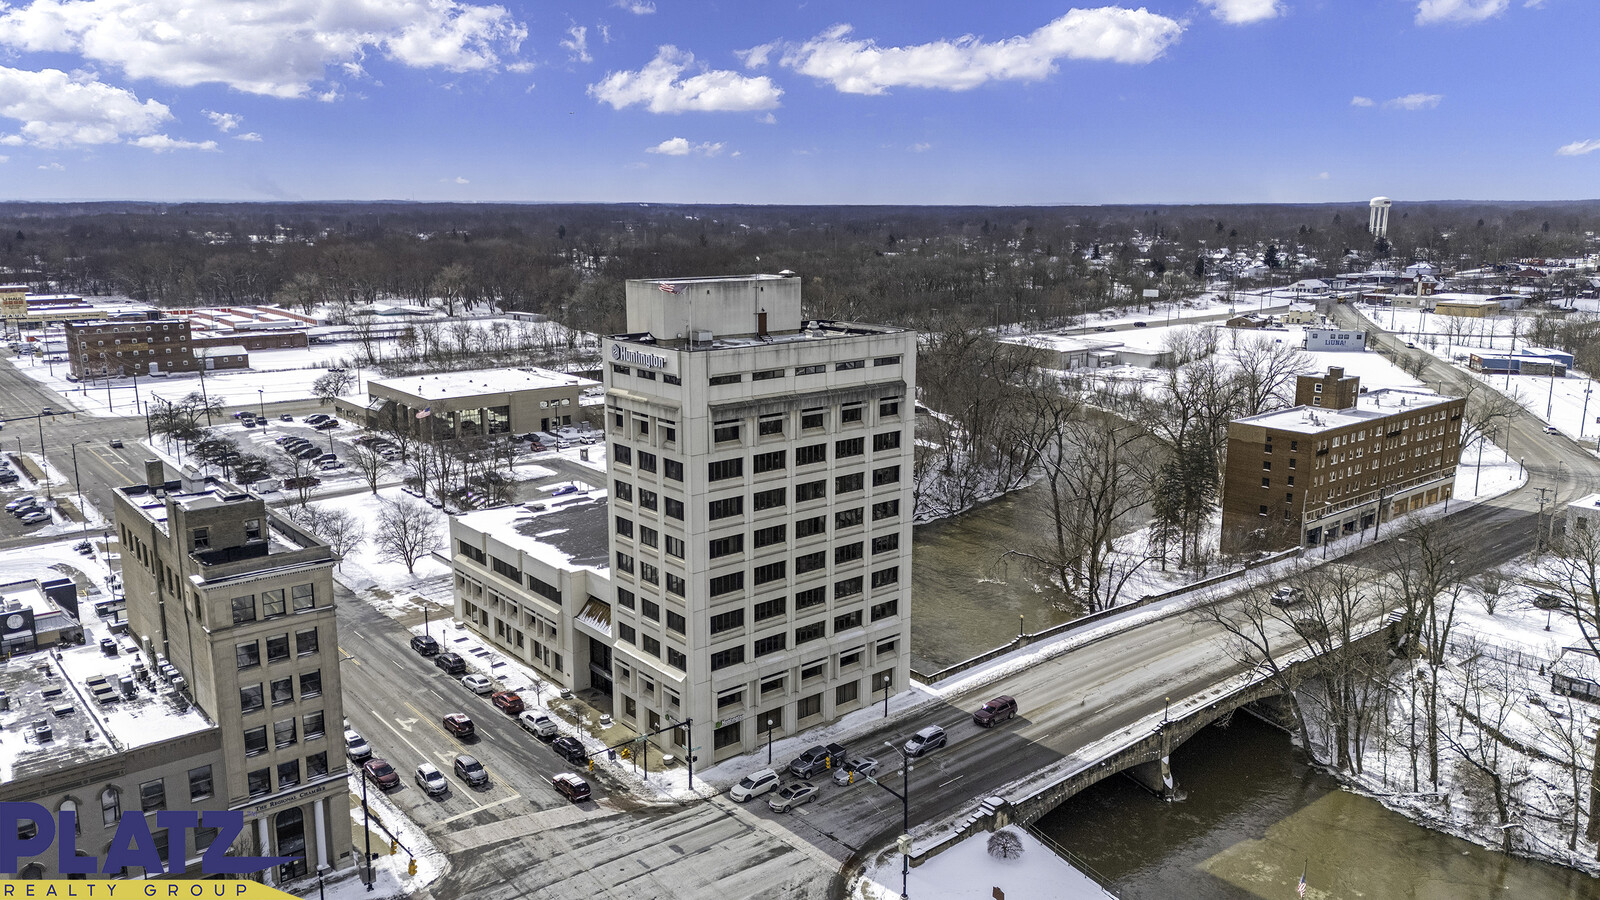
677	660
810	562
812	418
650	609
244	609
768	462
626	634
888	409
282	691
807	633
888	509
311	684
260	782
725	658
807	527
766	537
806	456
273	605
313	725
845	484
886	543
847	518
647	499
283	733
887	361
672	468
507	570
726	545
305	642
1266	482
768	573
722	509
735	378
770	644
849	364
889	440
885	610
725	584
851	447
250	698
624	562
844	553
770	425
675	586
674	509
647	461
624	528
649	574
471	552
846	693
885	475
152	796
674	547
808	598
766	609
727	621
811	490
724	432
766	374
110	807
724	468
277	648
726	736
625	598
622	490
650	645
288	774
255	740
884	577
809	706
850	413
847	587
810	370
317	765
304	596
847	621
622	454
248	655
771	499
199	783
202	538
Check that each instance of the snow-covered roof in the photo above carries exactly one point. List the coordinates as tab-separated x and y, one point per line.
570	532
1369	406
471	383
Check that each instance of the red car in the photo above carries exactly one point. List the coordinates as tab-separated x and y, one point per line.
381	773
459	725
508	701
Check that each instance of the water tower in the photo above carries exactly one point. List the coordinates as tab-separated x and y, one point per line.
1378	218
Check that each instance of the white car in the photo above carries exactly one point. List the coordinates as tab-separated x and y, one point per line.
754	785
356	746
431	780
478	683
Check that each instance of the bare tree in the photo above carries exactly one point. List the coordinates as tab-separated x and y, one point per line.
1490	690
335	384
342	530
370	463
1265	373
1426	584
1004	844
406	532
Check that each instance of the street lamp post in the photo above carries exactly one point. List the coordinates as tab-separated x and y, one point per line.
367	813
261	405
77	484
322	892
905	816
887	680
769	742
44	464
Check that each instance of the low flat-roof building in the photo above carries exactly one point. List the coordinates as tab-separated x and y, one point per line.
471	403
1347	460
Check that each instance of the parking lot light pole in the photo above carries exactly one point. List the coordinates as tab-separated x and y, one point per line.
261	405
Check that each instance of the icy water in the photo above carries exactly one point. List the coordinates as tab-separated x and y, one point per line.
1256	814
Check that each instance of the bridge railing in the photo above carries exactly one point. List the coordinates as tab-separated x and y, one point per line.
1095	618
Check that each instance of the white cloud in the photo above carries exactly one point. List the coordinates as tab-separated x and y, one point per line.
637	7
681	147
1435	12
768	119
1578	148
53	167
460	180
4	158
1320	176
58	109
1243	12
756	57
659	89
921	147
1106	34
274	47
1360	101
1414	102
161	143
248	136
577	43
225	122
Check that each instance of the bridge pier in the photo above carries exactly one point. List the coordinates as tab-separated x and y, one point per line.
1156	776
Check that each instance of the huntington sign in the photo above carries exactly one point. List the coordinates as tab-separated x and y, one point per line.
631	357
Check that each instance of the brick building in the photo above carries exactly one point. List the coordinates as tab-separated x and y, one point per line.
151	344
1343	459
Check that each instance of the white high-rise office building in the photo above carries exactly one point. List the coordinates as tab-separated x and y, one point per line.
761	472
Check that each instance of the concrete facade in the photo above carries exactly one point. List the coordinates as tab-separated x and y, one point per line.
473	403
1355	461
248	620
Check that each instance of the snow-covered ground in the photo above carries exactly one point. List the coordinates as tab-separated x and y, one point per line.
966	871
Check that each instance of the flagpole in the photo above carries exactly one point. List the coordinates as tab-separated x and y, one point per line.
1301	887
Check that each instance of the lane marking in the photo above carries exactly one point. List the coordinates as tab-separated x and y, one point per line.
481	806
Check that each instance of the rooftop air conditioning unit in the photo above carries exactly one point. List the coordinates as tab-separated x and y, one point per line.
699	337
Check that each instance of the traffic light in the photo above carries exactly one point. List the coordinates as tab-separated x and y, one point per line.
904	844
411	868
591	765
394	846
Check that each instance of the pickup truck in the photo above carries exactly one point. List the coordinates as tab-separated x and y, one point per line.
539	725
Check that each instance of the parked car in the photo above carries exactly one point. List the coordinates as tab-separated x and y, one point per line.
332	465
570	749
1286	596
507	701
478	684
28	510
356	746
301	481
286	418
424	644
563	445
926	741
754	785
564	490
571	787
37	517
314	418
248	423
116	443
539	725
9	477
382	774
431	780
855	769
451	663
471	771
328	457
308	453
460	725
818	759
1139	324
1551	429
793	795
994	711
20	502
329	425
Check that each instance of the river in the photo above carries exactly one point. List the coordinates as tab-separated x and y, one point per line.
1256	814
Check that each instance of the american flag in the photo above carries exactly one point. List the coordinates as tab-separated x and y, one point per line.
1301	887
425	413
669	288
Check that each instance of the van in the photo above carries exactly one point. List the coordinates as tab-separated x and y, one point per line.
571	787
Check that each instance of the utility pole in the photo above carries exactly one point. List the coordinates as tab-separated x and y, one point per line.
1538	530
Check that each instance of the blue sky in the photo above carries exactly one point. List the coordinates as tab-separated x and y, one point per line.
813	102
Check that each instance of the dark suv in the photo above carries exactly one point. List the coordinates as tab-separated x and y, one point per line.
994	711
451	663
570	749
818	759
425	644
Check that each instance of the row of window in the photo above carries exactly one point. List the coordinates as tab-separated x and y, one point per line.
252	697
248	653
153	795
300	597
259	781
284	733
804	634
814	369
